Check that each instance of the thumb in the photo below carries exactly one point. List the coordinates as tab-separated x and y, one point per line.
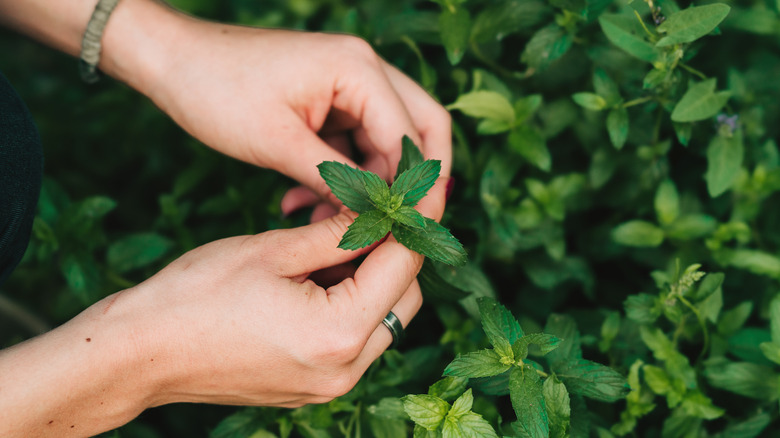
299	251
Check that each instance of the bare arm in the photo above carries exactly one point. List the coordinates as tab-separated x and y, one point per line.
134	43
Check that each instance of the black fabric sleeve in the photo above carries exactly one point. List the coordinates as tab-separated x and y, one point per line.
21	171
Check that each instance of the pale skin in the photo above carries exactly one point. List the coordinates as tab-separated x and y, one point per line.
276	319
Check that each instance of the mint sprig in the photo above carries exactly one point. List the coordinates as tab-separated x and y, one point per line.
383	209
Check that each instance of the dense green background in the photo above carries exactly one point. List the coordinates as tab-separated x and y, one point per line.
547	201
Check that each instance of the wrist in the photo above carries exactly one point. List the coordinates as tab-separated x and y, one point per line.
85	377
139	42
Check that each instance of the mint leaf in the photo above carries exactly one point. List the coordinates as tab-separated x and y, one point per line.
473	425
593	380
421	432
413	184
408	216
546	343
367	229
498	322
481	363
410	156
692	23
434	242
700	102
378	191
525	391
462	405
347	185
425	410
558	404
383	209
448	387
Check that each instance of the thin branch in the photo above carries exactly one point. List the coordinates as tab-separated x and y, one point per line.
24	318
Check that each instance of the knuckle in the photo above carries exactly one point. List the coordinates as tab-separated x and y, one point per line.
337	384
358	47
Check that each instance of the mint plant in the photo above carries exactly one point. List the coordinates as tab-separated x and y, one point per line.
608	154
382	209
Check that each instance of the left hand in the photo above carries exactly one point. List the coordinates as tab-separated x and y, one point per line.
288	100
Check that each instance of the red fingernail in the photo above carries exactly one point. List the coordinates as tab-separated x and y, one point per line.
448	190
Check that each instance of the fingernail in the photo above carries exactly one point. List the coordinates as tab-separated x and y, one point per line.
448	190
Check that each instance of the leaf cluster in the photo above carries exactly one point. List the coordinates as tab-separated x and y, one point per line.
383	209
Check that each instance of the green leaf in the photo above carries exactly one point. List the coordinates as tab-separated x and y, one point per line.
589	100
425	410
449	387
774	318
757	262
699	405
368	228
136	251
708	285
408	216
347	185
82	276
691	227
528	142
750	428
462	405
564	328
243	423
455	28
410	156
638	233
545	342
691	24
390	408
526	393
593	380
95	207
496	20
617	126
667	202
421	432
626	32
724	162
485	104
473	425
556	400
481	363
378	191
434	242
700	102
642	308
610	329
413	184
498	322
744	378
606	87
733	319
525	107
546	45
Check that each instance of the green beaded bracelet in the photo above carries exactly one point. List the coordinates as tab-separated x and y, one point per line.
90	44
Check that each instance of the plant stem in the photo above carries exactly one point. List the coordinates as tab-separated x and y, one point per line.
692	70
15	312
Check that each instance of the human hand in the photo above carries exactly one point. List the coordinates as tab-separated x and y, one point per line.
289	100
276	319
244	321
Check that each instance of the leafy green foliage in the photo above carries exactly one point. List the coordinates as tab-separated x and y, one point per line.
384	209
593	224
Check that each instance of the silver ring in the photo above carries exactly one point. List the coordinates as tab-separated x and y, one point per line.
396	328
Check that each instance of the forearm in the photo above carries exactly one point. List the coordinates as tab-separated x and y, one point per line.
136	40
80	379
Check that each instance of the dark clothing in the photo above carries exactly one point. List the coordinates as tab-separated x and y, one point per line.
21	171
